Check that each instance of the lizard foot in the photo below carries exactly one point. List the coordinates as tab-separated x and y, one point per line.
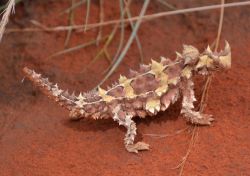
202	119
134	148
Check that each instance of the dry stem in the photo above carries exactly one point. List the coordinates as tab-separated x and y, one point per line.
65	51
71	22
101	16
204	94
166	135
73	7
10	8
129	42
87	15
144	18
190	146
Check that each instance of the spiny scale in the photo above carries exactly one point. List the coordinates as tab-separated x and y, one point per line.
145	92
149	84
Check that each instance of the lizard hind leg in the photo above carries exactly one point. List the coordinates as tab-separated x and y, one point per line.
126	120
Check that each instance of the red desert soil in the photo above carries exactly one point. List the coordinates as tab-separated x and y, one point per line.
36	137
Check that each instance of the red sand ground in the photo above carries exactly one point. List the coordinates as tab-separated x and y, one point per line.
36	137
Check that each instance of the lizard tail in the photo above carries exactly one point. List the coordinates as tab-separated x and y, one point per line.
62	97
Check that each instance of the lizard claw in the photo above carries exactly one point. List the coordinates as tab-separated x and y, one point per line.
134	148
204	119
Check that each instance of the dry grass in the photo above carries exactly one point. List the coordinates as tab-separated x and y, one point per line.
119	55
143	19
6	14
167	135
128	44
204	96
71	22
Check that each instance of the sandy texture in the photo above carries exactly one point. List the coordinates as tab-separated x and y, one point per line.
37	139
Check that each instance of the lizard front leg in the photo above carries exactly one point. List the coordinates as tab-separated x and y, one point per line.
126	120
192	116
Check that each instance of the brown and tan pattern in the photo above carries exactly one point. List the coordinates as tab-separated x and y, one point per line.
143	93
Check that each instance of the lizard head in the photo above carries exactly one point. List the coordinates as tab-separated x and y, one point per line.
213	61
207	61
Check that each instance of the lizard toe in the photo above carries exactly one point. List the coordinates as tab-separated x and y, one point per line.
139	146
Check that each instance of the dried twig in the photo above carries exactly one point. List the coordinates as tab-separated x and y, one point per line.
144	18
87	15
74	7
101	16
168	5
136	37
190	146
220	26
6	5
71	22
166	135
10	8
129	42
104	49
209	78
39	25
126	9
204	95
122	12
59	53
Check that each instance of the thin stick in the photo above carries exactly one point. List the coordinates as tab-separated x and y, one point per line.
39	25
107	55
220	26
101	16
129	42
168	13
168	5
205	91
122	13
104	49
144	18
136	37
166	135
71	22
209	78
202	103
73	7
10	8
193	139
87	15
6	5
75	48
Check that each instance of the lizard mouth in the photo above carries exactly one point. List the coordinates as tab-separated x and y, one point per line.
223	58
225	61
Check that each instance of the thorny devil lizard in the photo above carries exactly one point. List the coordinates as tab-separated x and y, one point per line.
143	93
